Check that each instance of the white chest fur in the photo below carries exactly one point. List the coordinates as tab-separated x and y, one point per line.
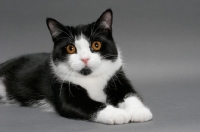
93	85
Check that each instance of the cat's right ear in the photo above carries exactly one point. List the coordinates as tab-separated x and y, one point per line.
106	19
54	27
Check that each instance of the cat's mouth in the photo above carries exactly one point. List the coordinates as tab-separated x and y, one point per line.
86	71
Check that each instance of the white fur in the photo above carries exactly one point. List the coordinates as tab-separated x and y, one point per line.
44	105
102	70
136	109
112	115
3	94
4	99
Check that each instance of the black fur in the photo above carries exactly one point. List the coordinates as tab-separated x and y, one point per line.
86	71
30	78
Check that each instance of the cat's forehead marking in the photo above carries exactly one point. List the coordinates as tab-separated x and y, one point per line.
82	43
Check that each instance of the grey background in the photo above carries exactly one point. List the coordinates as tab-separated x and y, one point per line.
160	44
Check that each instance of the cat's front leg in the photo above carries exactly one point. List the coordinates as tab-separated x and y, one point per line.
81	106
136	109
95	112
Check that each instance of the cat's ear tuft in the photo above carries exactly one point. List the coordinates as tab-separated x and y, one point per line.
106	19
53	26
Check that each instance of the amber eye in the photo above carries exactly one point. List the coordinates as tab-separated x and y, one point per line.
96	45
71	49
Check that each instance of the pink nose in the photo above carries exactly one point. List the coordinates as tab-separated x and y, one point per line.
85	60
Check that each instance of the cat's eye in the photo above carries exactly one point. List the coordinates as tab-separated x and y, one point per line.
96	45
71	49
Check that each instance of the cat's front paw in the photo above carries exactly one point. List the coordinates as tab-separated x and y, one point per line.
112	115
139	114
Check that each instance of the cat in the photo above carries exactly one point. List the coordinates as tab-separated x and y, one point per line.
82	78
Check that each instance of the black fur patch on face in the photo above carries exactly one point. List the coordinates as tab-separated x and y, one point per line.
86	71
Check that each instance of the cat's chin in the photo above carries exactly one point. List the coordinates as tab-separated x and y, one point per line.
85	71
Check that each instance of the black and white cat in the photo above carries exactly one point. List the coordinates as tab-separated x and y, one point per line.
82	78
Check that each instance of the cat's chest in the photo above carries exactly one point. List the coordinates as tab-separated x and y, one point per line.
94	87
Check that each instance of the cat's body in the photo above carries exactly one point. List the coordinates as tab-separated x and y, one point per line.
83	78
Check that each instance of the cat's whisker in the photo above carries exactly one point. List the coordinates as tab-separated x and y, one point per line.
113	81
109	55
65	33
92	28
69	32
118	79
56	62
75	64
99	37
121	74
53	79
56	35
71	36
63	82
65	38
95	35
69	84
96	29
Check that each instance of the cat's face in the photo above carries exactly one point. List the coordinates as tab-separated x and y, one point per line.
85	48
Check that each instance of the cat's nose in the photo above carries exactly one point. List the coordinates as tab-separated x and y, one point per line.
85	60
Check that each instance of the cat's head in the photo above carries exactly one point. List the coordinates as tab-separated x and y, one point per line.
84	49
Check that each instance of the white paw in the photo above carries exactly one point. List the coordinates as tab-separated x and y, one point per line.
139	114
112	115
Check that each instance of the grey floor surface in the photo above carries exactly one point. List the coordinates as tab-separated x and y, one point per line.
160	44
175	105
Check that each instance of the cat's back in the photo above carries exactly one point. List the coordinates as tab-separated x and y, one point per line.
25	62
25	79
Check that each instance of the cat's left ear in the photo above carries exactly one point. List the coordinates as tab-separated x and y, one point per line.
106	19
